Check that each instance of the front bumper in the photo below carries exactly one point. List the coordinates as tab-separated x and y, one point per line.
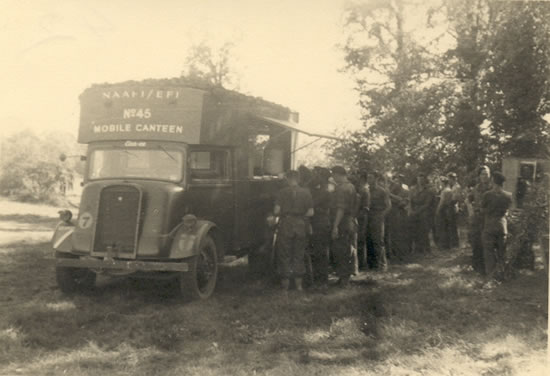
93	263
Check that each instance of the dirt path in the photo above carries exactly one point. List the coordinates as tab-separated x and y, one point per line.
429	317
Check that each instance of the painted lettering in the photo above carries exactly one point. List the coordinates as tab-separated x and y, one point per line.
111	128
142	113
129	113
145	94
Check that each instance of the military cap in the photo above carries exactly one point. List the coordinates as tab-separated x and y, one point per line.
338	170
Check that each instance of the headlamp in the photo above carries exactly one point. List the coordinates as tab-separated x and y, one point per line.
65	216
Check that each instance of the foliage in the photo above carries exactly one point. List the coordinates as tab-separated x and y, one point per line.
213	65
517	81
526	225
31	169
469	95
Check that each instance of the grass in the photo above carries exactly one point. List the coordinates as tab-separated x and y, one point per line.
428	317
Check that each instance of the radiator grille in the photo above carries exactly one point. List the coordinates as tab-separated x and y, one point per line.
118	218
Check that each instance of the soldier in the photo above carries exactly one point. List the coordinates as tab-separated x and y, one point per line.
476	223
442	216
452	212
320	240
362	219
495	203
344	226
305	176
380	205
420	218
396	230
294	205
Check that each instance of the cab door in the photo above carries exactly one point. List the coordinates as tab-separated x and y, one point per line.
210	193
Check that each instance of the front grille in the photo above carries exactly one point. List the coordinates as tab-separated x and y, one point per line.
118	219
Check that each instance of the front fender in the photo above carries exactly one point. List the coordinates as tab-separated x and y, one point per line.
186	243
61	240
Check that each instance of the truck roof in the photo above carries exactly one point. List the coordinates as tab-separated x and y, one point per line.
195	84
177	109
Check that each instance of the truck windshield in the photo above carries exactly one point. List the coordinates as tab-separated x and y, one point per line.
161	164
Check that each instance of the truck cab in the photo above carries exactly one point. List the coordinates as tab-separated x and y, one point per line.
177	177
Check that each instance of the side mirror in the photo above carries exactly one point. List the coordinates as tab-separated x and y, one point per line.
63	157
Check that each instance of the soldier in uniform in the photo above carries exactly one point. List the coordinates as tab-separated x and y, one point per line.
343	224
320	222
397	232
362	219
420	218
293	205
452	212
380	205
476	224
442	216
494	204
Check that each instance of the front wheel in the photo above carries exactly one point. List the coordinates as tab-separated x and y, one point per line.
73	280
200	281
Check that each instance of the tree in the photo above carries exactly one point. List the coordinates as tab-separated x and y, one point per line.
213	65
393	72
448	104
517	80
463	65
500	63
31	169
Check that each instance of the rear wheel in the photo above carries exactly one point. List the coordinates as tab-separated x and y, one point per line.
72	280
200	281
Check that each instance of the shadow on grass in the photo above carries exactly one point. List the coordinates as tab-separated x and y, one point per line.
431	304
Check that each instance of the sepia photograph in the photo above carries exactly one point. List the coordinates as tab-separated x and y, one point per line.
274	187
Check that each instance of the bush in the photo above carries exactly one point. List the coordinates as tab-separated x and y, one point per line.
526	226
31	170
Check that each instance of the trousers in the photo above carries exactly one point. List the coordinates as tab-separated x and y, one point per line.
476	241
320	243
343	247
375	236
494	250
291	246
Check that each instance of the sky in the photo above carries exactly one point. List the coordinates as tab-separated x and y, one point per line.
286	52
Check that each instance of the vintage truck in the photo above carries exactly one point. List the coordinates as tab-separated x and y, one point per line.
178	176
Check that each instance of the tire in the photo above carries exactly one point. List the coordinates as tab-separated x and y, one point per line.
200	281
73	280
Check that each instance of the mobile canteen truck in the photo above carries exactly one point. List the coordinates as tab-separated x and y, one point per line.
178	176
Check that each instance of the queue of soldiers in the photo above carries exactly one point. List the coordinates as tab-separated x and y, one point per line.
356	223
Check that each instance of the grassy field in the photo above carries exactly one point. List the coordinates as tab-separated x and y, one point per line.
429	317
